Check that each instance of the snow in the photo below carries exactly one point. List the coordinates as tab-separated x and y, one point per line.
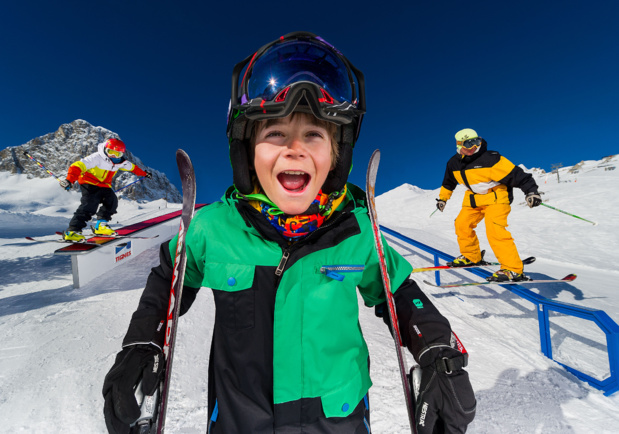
58	342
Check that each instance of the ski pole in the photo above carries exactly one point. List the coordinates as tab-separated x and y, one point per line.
131	183
42	166
433	212
564	212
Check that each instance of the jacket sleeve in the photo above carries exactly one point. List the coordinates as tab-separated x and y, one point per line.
147	324
425	332
449	184
137	171
75	170
520	179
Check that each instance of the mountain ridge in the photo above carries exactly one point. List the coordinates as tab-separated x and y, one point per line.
72	141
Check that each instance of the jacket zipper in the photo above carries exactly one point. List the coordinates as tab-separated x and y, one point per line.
334	271
282	263
286	252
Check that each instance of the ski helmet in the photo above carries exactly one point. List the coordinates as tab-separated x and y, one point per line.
297	72
468	139
114	148
465	134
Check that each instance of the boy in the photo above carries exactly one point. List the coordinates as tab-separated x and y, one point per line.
94	174
287	354
490	179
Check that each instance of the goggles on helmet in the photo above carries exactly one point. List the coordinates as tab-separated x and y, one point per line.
274	81
469	144
112	153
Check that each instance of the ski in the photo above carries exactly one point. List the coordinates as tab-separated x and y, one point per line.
117	236
154	407
95	239
38	240
568	278
526	261
378	243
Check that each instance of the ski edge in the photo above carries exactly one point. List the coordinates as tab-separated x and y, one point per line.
379	248
525	261
568	278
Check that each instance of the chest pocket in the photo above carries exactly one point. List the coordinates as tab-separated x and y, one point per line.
232	286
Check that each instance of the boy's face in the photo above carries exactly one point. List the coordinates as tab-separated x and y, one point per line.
292	159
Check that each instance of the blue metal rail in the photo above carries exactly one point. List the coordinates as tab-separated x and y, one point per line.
544	306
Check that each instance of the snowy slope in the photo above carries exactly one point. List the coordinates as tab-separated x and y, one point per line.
58	343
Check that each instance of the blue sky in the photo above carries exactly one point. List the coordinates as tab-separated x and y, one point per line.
538	80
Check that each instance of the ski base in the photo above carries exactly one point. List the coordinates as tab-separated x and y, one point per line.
95	239
568	278
526	261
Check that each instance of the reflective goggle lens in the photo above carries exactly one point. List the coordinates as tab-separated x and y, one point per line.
114	153
291	62
470	143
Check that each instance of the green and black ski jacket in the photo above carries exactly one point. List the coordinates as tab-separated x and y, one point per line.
287	346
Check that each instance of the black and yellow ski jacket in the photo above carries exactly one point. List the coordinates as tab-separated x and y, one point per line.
488	176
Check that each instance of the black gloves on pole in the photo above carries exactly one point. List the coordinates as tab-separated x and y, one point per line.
66	184
533	199
134	363
446	403
440	204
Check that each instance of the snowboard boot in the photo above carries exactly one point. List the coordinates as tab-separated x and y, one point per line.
101	228
74	236
461	261
504	275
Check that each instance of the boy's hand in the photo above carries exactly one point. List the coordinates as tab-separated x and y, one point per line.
66	184
446	401
148	175
440	204
134	363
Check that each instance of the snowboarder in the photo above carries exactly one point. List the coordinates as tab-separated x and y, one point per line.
490	179
94	174
284	252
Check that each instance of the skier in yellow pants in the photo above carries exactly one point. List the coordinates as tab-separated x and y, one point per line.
490	179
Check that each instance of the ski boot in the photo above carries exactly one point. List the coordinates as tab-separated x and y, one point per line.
461	261
73	236
101	228
504	275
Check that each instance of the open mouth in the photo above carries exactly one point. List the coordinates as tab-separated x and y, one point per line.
293	180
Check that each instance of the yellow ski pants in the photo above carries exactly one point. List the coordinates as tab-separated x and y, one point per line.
500	239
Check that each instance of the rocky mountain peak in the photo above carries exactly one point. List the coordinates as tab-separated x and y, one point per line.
73	141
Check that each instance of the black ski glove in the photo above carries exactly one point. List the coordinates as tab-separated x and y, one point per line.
533	199
66	184
133	363
440	204
148	175
446	402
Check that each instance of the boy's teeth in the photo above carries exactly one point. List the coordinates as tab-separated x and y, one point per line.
293	180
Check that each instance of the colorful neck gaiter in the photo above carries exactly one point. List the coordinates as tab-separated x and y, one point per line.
296	227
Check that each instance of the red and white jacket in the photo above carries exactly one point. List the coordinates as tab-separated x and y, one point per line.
98	169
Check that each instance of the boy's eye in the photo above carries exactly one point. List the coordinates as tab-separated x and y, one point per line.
315	134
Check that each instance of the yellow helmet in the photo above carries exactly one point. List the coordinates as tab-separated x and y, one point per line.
465	134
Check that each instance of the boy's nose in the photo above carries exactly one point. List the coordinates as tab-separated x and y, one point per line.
296	148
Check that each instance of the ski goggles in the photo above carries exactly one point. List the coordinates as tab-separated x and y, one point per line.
272	82
469	144
114	153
